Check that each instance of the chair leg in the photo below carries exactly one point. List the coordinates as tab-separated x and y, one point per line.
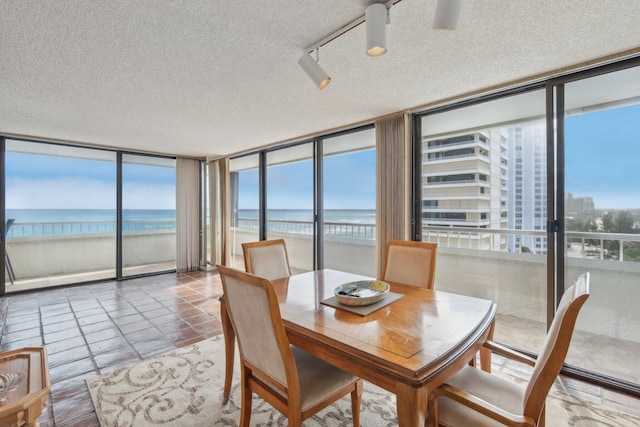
229	349
246	399
485	353
356	402
542	421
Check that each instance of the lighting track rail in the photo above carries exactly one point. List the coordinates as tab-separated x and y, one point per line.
377	17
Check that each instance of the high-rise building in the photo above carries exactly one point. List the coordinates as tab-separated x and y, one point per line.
527	181
578	205
464	184
493	179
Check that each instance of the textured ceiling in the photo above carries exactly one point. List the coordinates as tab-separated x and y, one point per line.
207	78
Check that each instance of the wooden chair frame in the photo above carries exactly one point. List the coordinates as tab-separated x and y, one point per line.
285	398
433	247
247	249
548	366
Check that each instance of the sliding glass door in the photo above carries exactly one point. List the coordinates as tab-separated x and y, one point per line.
148	214
317	195
60	215
519	210
290	202
349	202
602	218
245	205
482	198
61	212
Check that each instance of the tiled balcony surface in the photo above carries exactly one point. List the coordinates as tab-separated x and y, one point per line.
93	329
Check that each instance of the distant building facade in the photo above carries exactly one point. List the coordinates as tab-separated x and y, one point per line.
494	179
527	187
578	205
464	184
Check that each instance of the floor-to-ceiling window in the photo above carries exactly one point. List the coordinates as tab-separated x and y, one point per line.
525	191
148	214
290	202
60	214
349	202
245	204
324	184
482	187
601	220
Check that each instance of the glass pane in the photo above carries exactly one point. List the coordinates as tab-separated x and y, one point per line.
148	214
61	215
602	219
290	203
245	205
350	202
483	201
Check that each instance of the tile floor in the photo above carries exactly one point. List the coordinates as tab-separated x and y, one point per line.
93	329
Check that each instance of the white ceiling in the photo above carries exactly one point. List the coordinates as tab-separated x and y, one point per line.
208	78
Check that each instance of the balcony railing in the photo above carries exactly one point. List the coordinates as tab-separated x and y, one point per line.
584	244
339	230
76	228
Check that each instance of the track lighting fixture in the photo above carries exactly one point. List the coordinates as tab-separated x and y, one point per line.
376	22
447	14
310	66
376	18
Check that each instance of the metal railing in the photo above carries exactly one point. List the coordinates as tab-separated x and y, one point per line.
585	244
77	228
339	230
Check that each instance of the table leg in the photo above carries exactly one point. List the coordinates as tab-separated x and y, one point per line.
485	353
229	349
411	405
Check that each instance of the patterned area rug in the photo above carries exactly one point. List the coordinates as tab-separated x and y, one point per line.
184	388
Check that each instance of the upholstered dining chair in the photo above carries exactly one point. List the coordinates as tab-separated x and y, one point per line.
267	258
294	382
414	263
410	263
473	397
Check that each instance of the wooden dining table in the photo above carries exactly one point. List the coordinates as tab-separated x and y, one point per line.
407	347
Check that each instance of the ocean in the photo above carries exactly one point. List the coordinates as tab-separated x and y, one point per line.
47	222
54	222
57	215
352	216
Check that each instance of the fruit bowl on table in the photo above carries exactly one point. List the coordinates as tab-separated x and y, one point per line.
361	292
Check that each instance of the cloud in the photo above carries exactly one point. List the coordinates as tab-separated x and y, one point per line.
85	193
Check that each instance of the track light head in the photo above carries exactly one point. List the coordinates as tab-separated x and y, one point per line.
447	14
310	66
376	22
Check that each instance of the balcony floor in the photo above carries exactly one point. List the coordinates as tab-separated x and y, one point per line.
93	329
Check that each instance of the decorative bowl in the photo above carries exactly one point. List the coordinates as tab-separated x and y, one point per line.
362	292
10	382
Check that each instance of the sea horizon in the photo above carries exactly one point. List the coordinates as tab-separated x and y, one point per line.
71	215
75	215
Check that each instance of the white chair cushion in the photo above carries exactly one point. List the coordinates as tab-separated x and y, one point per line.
318	379
491	388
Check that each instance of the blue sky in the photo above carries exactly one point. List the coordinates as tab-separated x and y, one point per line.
602	161
349	183
603	157
49	182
